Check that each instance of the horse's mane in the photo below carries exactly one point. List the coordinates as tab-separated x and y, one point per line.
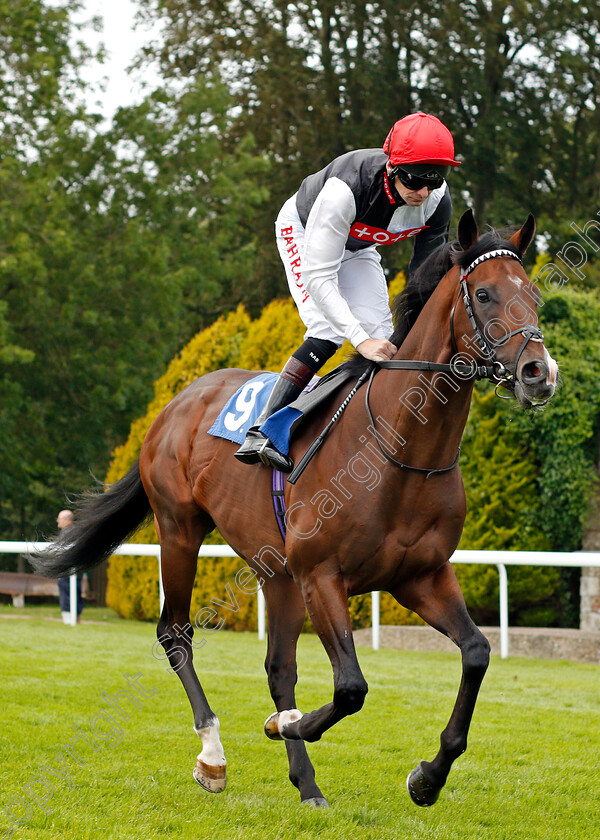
407	305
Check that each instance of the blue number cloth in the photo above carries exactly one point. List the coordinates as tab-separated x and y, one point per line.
244	407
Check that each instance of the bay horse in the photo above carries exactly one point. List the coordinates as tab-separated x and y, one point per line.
381	505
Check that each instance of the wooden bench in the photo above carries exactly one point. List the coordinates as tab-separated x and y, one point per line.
20	584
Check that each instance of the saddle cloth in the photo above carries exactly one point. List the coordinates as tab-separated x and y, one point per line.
241	411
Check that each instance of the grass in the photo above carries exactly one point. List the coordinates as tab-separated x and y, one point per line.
531	770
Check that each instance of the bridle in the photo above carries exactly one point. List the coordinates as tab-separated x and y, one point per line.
495	371
498	373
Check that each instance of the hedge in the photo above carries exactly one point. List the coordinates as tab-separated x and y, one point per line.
232	341
528	477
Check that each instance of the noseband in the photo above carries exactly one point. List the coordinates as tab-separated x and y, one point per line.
495	371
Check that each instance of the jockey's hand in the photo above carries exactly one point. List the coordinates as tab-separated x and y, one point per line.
377	349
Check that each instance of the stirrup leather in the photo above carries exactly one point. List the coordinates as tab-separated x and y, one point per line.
260	451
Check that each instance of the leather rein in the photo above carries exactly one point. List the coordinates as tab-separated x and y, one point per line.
494	371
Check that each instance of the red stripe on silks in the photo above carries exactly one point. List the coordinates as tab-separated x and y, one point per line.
378	236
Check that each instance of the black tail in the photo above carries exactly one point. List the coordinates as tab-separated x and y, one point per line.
102	522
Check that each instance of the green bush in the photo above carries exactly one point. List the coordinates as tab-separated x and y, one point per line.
232	341
563	439
133	581
528	476
503	507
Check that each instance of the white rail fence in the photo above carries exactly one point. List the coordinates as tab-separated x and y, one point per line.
500	559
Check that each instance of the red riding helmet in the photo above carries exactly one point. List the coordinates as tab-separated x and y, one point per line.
420	138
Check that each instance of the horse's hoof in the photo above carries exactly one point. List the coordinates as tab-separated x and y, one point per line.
421	791
275	723
212	778
316	802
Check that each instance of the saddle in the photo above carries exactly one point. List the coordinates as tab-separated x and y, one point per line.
281	427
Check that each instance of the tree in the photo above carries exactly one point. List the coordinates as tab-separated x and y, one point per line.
516	83
496	81
310	81
114	249
170	172
38	78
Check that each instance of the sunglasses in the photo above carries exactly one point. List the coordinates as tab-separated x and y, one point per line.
432	180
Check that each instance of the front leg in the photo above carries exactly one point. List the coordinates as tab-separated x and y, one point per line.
326	600
285	610
439	600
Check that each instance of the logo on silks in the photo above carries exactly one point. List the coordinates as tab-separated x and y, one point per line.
367	233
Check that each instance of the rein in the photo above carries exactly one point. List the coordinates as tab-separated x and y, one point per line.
495	372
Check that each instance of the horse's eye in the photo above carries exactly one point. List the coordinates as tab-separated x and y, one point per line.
482	295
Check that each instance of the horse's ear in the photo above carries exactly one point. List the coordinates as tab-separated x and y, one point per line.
523	238
467	230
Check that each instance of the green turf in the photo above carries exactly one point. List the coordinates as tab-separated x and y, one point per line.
532	769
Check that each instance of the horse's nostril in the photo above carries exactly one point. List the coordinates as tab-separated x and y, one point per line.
534	372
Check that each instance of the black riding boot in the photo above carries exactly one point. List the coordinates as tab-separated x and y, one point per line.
294	377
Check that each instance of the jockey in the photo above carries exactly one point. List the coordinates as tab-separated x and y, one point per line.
327	236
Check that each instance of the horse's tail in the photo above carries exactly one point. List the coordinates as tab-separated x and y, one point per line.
102	522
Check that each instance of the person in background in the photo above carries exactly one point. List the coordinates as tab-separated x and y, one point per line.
65	520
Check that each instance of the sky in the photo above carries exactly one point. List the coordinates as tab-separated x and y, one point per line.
122	41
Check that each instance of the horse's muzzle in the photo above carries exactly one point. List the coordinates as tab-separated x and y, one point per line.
536	382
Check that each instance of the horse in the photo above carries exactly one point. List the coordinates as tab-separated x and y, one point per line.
380	506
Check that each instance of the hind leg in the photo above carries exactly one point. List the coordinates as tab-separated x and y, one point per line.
286	616
180	541
440	602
